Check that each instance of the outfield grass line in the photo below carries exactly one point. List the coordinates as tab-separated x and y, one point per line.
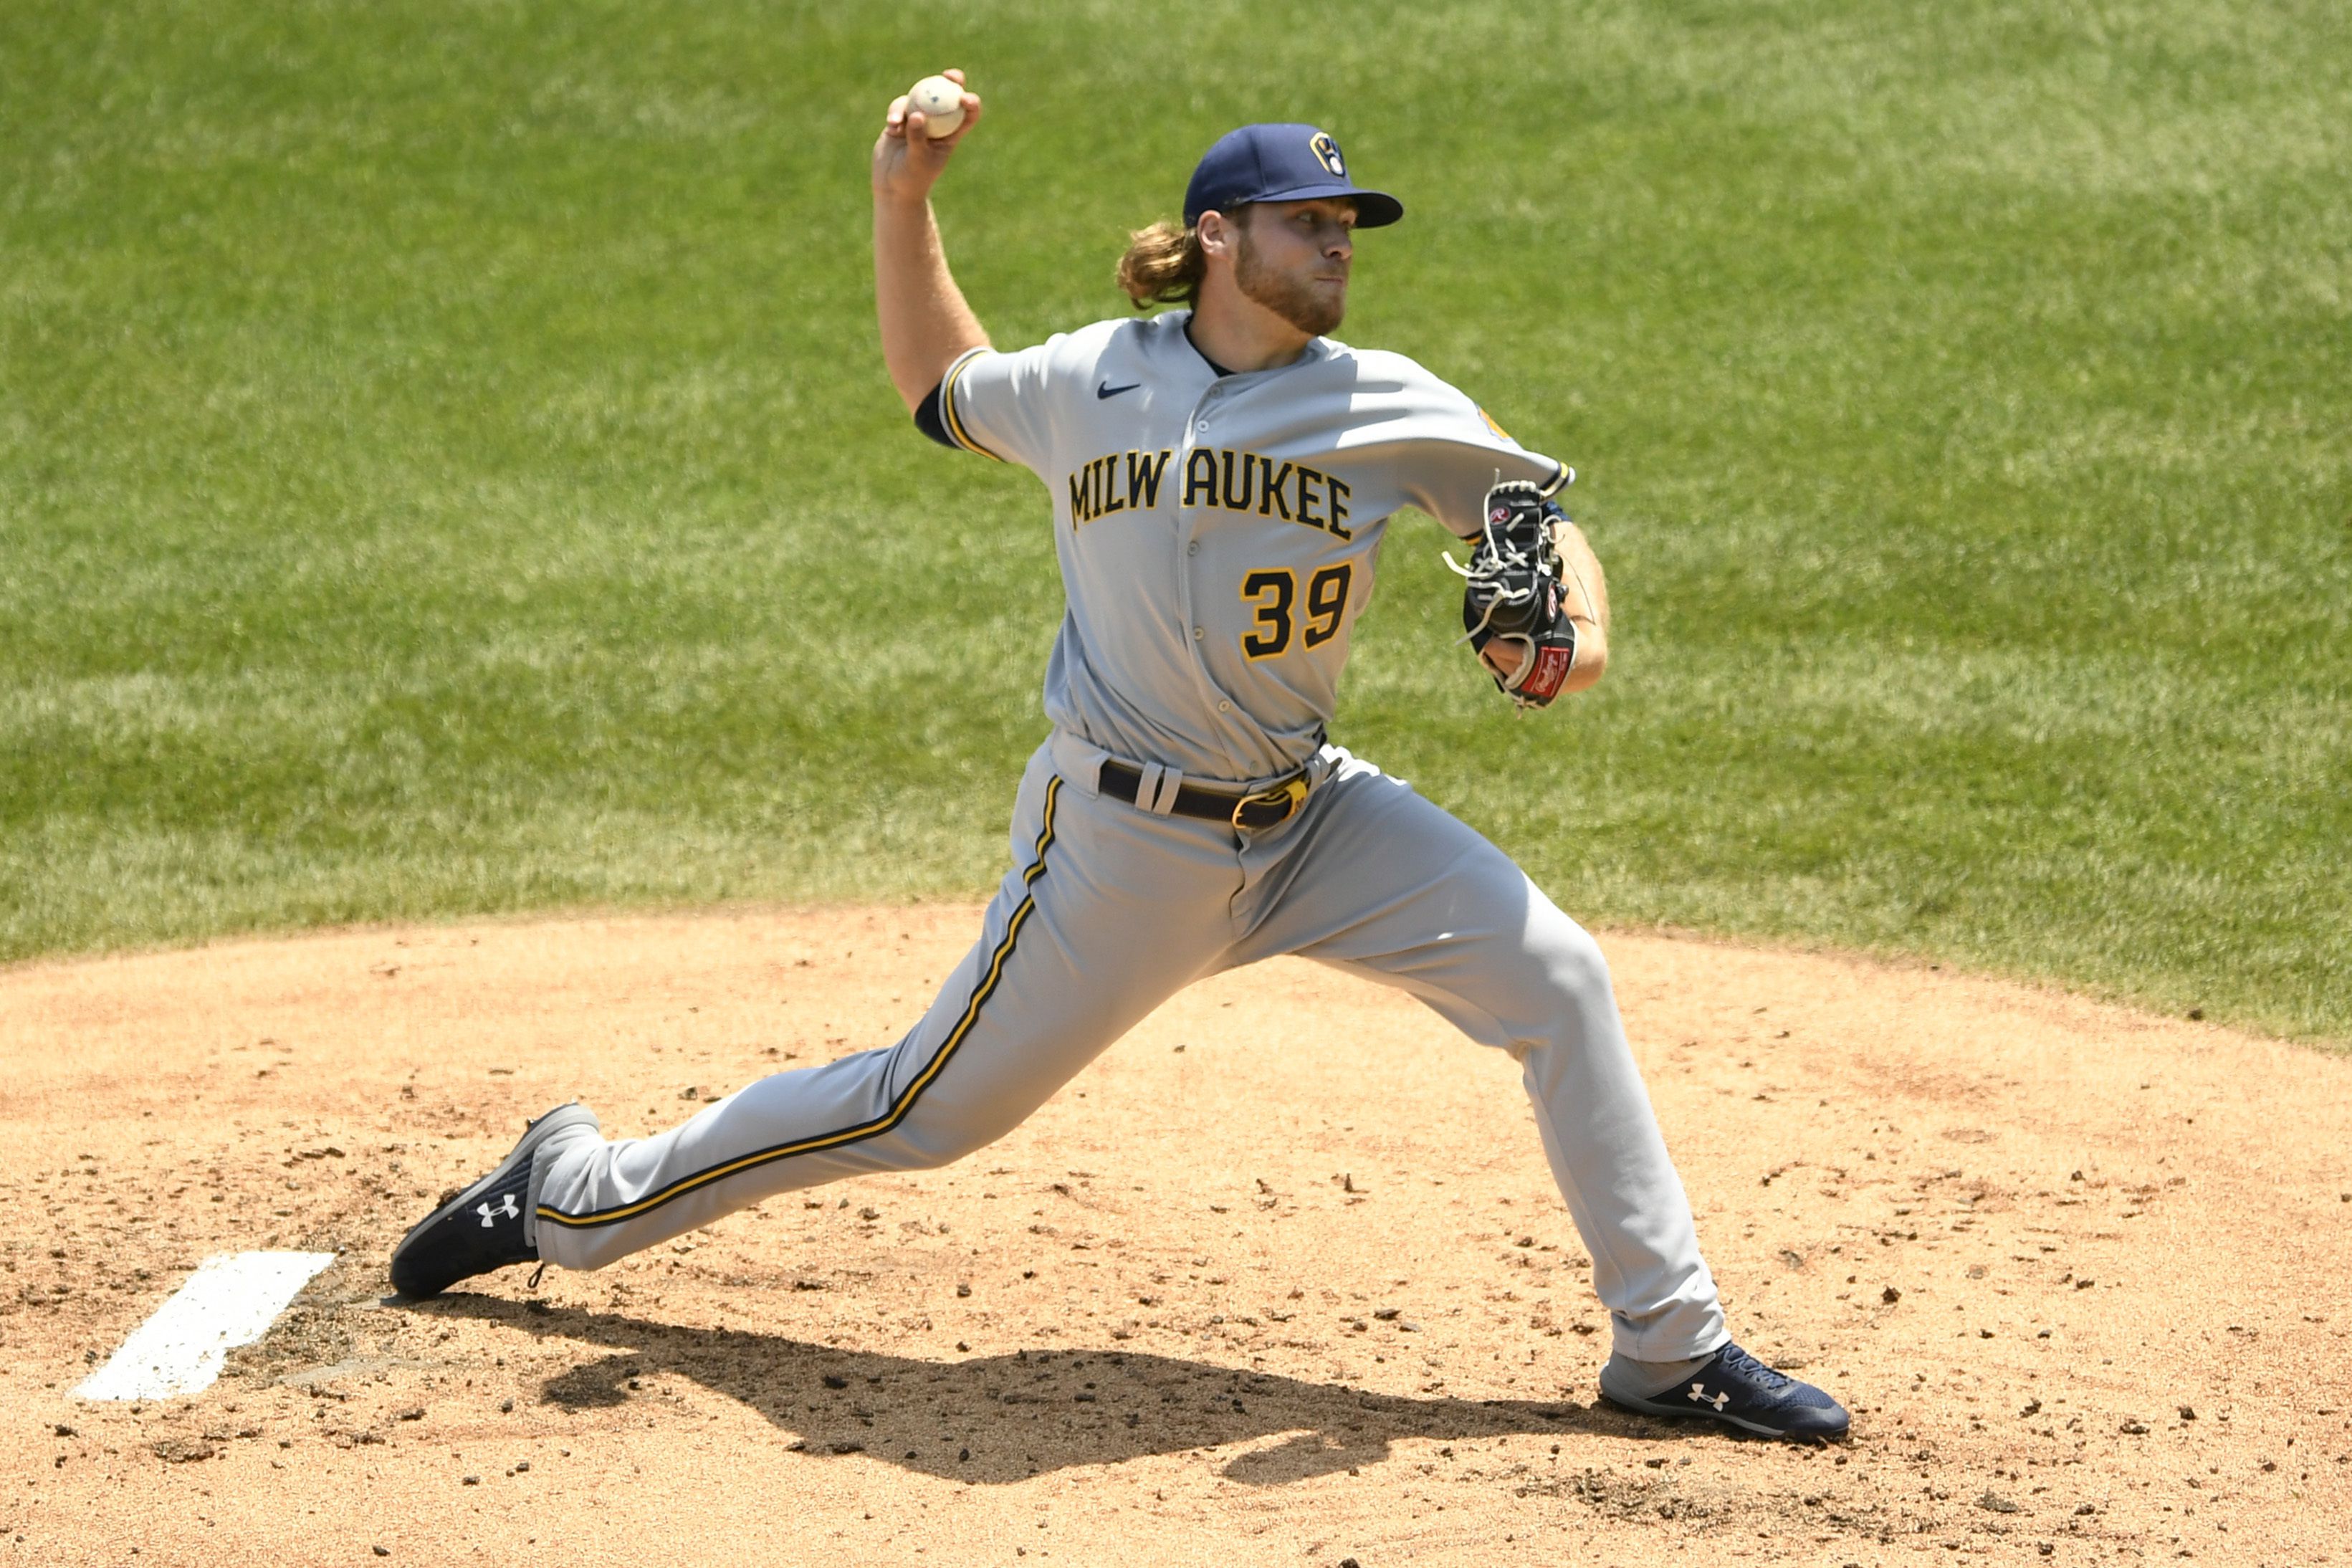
2054	982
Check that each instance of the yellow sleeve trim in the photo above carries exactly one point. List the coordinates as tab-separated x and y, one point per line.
954	420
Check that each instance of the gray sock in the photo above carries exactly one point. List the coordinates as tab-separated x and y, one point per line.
1624	1377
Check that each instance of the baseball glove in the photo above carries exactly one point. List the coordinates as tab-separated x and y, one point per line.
1514	591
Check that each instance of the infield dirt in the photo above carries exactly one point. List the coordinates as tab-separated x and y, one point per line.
1282	1278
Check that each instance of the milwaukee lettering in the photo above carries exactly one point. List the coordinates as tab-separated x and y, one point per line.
1215	478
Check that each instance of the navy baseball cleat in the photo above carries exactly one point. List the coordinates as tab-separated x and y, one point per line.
1736	1388
482	1227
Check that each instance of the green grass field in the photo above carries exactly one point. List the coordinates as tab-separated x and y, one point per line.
446	464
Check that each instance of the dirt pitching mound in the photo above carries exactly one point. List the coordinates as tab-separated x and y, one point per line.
1282	1278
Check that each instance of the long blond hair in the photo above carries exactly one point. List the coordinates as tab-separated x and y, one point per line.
1163	266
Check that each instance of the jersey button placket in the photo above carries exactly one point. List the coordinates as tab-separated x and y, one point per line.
1188	522
1192	519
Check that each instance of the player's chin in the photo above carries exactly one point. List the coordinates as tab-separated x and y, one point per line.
1322	310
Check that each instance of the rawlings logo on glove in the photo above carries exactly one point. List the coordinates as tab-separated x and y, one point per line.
1513	593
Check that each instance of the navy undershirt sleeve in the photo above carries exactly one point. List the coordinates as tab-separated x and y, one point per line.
931	420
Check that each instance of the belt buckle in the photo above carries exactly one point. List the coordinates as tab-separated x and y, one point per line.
1289	794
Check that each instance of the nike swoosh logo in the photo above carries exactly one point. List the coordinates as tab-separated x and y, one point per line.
1106	390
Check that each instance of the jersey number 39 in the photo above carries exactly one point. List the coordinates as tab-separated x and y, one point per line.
1274	593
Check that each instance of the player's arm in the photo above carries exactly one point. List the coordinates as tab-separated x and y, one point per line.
1587	594
925	322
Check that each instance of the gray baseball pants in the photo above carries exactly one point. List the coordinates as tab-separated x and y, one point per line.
1110	909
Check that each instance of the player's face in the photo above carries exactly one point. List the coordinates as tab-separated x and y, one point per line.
1293	258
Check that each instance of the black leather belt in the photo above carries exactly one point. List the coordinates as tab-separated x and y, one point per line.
1255	812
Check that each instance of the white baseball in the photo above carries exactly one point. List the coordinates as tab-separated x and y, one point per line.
941	102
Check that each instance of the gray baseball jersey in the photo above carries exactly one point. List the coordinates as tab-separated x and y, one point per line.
1218	533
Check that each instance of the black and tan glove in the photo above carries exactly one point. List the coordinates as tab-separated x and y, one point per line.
1514	593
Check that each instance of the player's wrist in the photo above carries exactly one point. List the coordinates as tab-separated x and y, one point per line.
901	202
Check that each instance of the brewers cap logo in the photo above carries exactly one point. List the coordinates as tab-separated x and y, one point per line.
1327	152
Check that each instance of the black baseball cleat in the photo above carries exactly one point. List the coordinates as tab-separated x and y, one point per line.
482	1227
1735	1388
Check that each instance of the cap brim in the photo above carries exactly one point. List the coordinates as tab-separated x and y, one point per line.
1374	209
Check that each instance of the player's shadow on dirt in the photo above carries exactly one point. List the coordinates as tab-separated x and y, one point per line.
1007	1417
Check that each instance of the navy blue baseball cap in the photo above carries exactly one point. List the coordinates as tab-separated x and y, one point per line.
1280	164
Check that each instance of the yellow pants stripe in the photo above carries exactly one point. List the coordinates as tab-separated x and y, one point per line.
898	1108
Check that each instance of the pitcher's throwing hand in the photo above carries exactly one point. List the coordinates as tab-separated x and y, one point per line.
906	165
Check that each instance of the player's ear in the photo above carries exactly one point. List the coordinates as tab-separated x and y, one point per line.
1218	234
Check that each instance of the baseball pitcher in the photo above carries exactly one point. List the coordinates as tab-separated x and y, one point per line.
1221	475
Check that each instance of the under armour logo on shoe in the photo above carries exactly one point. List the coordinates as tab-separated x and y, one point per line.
505	1209
1698	1390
